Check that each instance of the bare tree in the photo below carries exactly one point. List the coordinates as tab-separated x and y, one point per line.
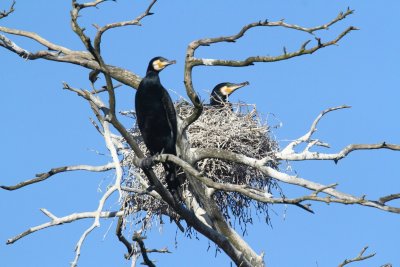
207	197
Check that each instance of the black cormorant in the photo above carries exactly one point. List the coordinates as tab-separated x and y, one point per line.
156	118
220	93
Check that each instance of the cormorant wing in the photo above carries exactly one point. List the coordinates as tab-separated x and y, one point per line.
169	111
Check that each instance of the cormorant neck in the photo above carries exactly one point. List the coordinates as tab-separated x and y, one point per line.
218	99
151	70
152	76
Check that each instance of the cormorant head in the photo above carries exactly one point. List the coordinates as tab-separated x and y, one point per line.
220	93
157	64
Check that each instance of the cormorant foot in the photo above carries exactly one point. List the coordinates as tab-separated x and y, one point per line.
146	163
177	197
150	188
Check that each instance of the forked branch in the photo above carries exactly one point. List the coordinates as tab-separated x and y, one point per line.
191	61
136	21
61	220
360	257
288	153
5	13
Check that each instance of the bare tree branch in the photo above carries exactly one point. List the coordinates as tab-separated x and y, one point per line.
288	152
139	239
121	238
251	60
66	219
305	138
34	36
43	176
338	197
262	196
88	4
104	89
105	123
136	21
109	192
62	54
266	23
307	155
163	250
191	61
388	198
360	257
251	192
340	16
5	13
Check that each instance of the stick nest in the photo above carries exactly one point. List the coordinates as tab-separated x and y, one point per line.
235	127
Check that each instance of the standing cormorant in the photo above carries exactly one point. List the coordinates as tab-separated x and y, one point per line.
156	118
220	93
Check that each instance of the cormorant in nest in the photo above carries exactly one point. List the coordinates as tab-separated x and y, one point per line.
156	118
220	93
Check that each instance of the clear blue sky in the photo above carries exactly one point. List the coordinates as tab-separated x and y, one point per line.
44	126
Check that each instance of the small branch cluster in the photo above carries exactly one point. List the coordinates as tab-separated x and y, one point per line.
5	13
360	257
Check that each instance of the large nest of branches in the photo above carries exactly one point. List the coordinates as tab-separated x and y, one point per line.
236	127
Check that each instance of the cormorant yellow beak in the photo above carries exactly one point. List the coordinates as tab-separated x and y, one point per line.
231	87
169	62
161	64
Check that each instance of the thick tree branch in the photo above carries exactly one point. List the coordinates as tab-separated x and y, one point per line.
212	215
34	36
61	54
188	81
246	190
338	197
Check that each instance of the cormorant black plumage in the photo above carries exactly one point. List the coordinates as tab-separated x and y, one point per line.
220	93
156	118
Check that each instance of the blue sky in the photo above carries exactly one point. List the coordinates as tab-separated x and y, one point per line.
44	126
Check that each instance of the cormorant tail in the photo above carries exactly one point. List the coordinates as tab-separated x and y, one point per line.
172	180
